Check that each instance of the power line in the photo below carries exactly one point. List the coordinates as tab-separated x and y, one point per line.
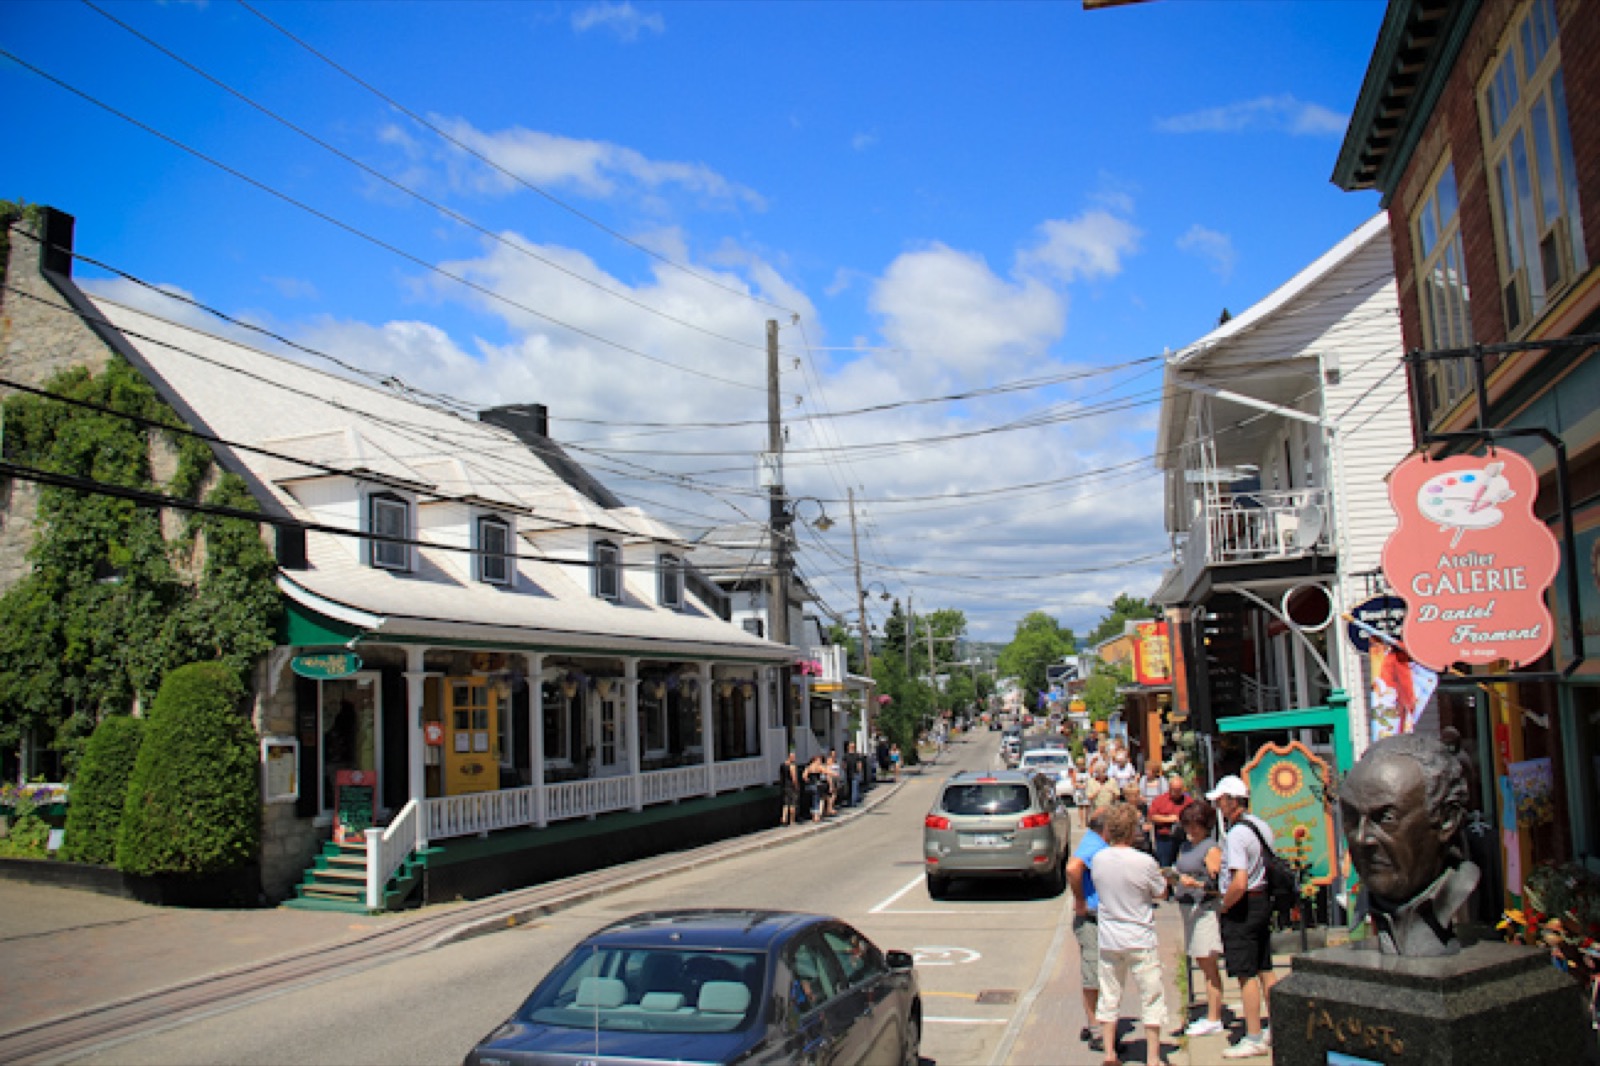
448	212
457	143
378	242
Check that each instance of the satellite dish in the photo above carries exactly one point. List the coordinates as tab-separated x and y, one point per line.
1309	523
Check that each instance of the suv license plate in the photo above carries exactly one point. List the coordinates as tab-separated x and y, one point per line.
988	840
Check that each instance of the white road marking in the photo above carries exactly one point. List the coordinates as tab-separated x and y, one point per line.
943	956
969	1021
879	909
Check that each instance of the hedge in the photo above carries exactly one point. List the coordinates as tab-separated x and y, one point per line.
194	804
101	790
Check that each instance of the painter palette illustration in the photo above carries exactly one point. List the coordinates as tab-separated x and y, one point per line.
1466	499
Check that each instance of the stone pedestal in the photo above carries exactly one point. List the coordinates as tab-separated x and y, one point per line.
1493	1004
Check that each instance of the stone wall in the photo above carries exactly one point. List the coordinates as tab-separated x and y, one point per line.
288	842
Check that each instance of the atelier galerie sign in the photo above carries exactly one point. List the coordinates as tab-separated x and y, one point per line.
1471	559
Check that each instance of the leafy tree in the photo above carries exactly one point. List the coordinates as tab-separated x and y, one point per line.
896	630
1124	608
910	704
101	790
1100	693
1038	642
194	803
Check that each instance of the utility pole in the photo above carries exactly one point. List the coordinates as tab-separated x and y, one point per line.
911	627
861	593
778	529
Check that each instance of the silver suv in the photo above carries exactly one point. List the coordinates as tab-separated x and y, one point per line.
998	823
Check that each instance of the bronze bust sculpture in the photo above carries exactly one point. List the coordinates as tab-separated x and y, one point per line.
1404	804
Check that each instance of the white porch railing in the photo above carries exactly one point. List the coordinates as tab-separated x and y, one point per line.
584	799
741	773
664	786
422	821
387	848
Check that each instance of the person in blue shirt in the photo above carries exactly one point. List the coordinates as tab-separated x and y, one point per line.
1085	924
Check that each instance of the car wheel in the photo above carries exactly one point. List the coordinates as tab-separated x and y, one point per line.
938	887
913	1043
1055	882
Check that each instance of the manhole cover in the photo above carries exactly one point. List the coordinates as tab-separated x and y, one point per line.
996	997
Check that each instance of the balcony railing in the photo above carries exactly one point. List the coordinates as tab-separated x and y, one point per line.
1258	527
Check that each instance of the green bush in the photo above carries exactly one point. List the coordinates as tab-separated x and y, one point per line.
194	805
101	790
29	837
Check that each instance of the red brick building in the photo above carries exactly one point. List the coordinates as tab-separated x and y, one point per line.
1479	122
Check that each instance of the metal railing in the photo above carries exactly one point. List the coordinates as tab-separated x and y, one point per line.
1258	526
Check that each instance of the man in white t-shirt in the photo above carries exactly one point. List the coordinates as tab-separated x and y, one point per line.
1121	770
1246	910
1129	883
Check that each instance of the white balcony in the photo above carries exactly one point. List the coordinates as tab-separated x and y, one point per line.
1258	526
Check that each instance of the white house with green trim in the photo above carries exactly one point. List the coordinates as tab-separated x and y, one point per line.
481	641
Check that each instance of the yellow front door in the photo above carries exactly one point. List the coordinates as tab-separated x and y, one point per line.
472	737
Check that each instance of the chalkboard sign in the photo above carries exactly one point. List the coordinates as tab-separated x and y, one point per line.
354	796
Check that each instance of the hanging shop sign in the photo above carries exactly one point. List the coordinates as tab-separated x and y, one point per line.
326	666
1289	791
1471	559
1151	663
1386	614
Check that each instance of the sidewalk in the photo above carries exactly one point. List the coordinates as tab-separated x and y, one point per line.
1049	1035
70	951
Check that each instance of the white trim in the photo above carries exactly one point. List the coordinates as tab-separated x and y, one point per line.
339	612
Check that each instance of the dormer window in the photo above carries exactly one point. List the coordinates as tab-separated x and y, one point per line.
671	577
389	515
607	571
494	550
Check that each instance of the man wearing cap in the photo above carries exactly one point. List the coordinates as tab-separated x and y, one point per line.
1246	909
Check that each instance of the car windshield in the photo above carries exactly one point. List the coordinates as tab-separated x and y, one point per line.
655	990
992	798
1052	760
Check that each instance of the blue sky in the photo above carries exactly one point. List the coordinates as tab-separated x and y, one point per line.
932	199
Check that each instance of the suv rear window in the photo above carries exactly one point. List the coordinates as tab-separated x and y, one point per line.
986	799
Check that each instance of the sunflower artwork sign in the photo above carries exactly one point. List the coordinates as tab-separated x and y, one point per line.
1289	791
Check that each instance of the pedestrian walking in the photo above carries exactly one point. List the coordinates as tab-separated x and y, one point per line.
789	779
1121	770
882	754
1086	924
831	782
1165	813
1152	782
1245	911
1101	793
894	760
1197	867
1129	884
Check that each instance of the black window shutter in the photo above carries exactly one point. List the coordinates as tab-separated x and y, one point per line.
306	728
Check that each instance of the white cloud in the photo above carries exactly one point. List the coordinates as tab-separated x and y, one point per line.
1213	247
1283	113
862	141
1092	245
596	169
624	20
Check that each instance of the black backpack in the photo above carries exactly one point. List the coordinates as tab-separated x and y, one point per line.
1283	884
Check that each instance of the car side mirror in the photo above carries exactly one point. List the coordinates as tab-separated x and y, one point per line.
899	961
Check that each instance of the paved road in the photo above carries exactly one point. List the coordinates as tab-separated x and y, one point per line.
996	964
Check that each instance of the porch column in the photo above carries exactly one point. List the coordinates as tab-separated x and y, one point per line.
541	816
708	742
630	731
416	689
763	682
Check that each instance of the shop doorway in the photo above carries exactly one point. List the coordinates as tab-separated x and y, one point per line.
472	736
351	730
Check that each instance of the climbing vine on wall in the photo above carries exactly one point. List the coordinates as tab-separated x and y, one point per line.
110	605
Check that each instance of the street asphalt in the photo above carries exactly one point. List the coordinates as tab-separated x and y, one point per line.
70	952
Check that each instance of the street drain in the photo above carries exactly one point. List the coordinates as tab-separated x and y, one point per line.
997	997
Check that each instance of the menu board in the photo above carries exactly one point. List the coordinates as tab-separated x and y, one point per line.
355	793
281	769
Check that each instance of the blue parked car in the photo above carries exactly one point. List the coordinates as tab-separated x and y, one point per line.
717	986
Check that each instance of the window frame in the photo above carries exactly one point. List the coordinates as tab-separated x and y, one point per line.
483	556
1510	99
607	570
377	502
670	581
1444	291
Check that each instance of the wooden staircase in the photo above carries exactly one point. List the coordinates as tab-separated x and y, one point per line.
337	881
